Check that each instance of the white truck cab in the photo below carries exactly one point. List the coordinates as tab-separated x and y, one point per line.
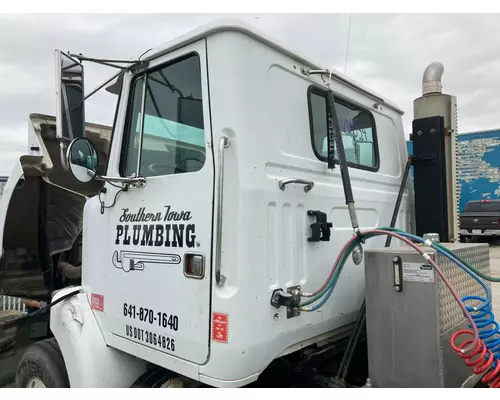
212	194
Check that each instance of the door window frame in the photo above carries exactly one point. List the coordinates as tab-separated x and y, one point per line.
126	131
321	91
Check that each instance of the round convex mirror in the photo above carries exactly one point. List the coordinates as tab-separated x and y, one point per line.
82	160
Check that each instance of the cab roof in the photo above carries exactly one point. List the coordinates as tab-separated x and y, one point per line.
233	25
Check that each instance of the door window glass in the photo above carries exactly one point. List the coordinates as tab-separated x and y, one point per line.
356	125
167	108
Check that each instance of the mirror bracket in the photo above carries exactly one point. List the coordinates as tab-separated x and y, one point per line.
135	182
138	67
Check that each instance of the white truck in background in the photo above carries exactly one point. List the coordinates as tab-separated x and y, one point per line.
173	249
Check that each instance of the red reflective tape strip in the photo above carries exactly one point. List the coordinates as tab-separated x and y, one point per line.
97	302
220	327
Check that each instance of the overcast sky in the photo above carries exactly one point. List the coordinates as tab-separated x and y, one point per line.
387	52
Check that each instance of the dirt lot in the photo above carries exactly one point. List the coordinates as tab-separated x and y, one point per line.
8	364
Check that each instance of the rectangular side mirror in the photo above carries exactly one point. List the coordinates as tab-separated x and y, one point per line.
70	97
190	112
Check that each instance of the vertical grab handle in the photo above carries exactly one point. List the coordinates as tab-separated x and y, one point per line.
219	278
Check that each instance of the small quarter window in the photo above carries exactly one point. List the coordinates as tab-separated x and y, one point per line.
356	124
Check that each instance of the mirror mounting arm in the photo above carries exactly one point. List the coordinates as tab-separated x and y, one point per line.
137	182
96	60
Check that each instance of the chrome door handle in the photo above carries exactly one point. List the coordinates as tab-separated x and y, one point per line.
219	278
308	184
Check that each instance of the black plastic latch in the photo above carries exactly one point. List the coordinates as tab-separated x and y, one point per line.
321	228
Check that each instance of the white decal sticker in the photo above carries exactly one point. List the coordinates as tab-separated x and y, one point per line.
168	229
417	272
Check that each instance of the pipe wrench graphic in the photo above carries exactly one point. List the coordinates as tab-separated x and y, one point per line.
137	260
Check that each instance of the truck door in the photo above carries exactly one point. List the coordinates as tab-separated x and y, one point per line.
158	263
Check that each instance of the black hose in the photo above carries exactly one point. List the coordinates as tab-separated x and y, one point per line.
360	323
398	201
42	310
335	136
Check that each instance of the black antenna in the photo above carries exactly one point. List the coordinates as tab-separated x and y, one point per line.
347	46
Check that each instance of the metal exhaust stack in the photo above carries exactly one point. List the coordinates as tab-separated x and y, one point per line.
431	81
435	149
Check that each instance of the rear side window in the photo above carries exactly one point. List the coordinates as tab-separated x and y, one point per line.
483	206
356	124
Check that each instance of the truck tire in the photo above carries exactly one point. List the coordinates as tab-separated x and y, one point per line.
42	365
158	377
154	378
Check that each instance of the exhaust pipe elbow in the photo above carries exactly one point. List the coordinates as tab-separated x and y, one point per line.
431	82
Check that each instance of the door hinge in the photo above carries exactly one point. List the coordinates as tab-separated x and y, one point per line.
289	299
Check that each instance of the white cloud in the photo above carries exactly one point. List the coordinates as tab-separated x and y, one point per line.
387	52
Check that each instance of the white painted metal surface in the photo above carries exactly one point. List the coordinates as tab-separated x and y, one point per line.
89	362
170	308
255	95
232	26
265	229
